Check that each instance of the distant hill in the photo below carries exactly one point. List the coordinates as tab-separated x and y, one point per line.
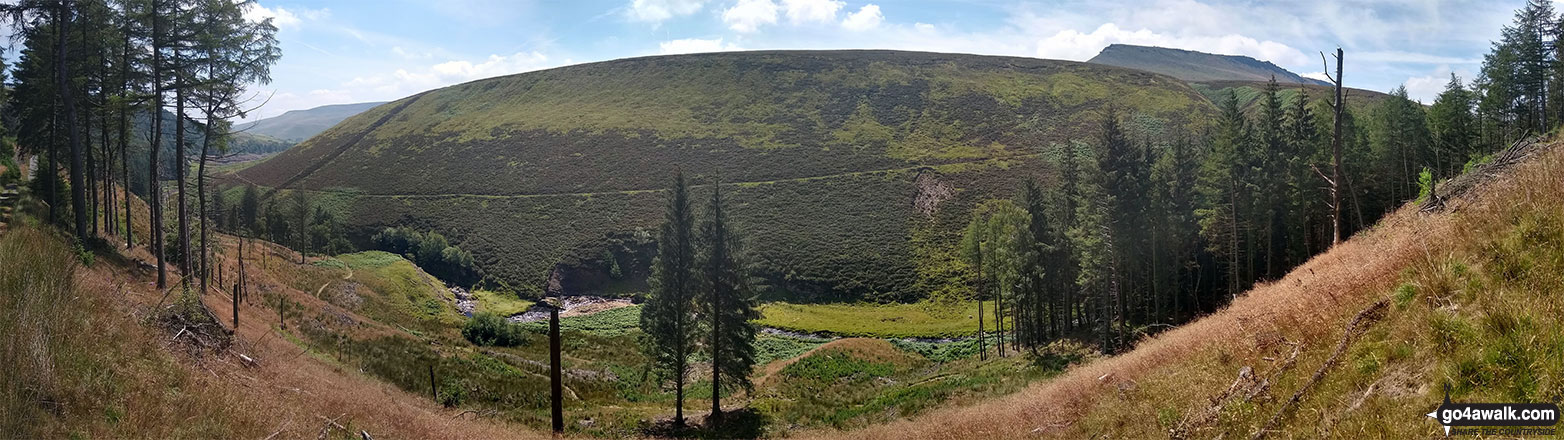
852	171
298	125
1198	67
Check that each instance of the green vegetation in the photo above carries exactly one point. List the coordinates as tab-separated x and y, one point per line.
500	303
823	189
1196	67
775	348
404	295
487	329
615	322
856	382
924	320
432	253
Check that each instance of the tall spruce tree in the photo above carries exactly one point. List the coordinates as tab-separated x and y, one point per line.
728	303
668	317
1093	236
1221	195
1453	128
1040	300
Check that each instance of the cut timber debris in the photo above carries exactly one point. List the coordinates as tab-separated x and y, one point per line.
1355	328
1481	174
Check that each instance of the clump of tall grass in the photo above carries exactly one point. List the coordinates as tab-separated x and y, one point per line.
36	293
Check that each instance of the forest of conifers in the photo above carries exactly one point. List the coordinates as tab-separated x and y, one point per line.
1143	230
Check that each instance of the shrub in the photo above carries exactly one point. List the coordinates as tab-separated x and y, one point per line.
431	252
490	329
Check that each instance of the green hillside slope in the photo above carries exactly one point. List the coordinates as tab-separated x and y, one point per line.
1197	66
852	170
298	125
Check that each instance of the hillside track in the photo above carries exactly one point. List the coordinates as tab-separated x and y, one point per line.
356	193
348	145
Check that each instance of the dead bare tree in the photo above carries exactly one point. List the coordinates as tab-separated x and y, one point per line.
1335	144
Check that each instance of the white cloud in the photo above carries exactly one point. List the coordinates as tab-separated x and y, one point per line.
694	45
818	11
1426	88
1073	45
749	15
403	82
868	17
284	18
1315	75
656	11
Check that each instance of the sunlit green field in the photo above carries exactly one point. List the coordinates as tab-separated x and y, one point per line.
921	320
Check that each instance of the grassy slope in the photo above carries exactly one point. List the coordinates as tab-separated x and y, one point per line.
824	146
1474	305
922	320
1359	101
1194	66
86	362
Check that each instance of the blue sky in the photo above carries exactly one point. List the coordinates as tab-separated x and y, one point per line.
355	51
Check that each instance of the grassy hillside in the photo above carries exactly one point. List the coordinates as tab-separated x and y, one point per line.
297	125
1464	296
827	153
1197	66
1249	93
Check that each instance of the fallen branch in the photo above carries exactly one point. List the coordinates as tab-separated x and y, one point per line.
330	423
279	429
1355	328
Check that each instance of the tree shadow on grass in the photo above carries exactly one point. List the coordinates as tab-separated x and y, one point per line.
740	423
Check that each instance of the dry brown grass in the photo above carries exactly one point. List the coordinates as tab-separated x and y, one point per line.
133	379
1121	396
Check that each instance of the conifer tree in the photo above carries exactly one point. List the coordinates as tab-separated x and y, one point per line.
1453	128
1092	234
1220	195
728	303
667	318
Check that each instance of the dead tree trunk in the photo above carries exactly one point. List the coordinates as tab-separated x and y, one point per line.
1335	144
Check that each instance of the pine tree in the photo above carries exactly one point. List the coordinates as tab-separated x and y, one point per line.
1220	192
249	210
1125	174
1065	259
299	215
667	318
1173	200
1040	298
997	243
1092	234
1310	218
1273	196
728	303
1453	128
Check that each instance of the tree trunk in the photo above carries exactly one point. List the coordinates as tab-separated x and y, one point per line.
61	75
156	144
181	169
1335	144
124	133
982	350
